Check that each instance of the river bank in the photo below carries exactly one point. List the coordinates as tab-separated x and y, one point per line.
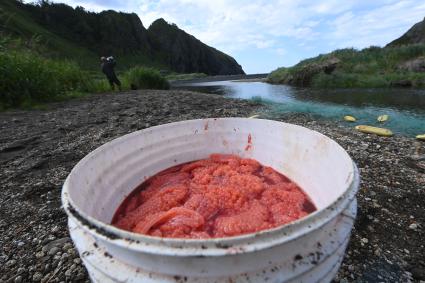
39	148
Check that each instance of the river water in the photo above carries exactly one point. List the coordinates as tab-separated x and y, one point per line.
405	107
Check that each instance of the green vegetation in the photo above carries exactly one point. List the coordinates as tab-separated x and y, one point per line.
26	78
145	78
350	68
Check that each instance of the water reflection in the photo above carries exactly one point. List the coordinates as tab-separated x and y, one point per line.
406	107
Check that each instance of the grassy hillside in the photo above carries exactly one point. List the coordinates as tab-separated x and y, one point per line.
61	31
26	25
370	67
27	34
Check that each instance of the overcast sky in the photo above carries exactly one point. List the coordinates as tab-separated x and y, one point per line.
264	35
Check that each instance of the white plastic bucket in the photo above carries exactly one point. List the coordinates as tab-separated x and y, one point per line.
308	250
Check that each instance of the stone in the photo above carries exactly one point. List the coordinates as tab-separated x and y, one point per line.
54	250
10	263
413	226
39	254
37	276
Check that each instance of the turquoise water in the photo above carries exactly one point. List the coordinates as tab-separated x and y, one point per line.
405	107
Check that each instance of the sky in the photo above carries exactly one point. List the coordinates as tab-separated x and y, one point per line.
263	35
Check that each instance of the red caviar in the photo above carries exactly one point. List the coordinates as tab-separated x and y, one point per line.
217	197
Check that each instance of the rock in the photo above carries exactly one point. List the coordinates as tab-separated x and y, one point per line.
37	276
67	247
115	104
416	65
305	74
10	263
18	279
68	273
54	251
55	243
40	254
55	229
413	226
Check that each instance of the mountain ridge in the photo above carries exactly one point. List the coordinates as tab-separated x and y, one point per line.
415	35
112	33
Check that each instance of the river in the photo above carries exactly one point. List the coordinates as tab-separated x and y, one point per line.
405	107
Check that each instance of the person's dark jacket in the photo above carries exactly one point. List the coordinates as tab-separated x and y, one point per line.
108	68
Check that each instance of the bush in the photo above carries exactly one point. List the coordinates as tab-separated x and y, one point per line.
26	78
95	85
145	78
369	67
278	76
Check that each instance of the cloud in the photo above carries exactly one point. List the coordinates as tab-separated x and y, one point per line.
376	26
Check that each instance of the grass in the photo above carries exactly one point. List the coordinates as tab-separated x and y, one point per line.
145	78
370	67
28	80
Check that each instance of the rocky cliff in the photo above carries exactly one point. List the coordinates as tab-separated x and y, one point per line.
187	54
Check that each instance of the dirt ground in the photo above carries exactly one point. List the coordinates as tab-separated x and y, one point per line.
39	148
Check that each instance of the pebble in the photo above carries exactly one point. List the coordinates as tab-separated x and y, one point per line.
20	270
10	263
68	273
413	226
54	251
37	276
67	247
18	279
55	229
40	254
364	240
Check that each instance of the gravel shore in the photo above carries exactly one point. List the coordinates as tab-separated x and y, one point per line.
39	148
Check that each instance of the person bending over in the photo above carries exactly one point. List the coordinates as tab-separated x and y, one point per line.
108	65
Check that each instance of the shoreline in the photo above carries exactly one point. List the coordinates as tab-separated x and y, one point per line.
39	148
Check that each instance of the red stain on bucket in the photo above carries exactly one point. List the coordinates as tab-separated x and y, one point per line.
249	143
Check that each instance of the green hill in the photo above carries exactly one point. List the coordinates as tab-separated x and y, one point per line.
60	31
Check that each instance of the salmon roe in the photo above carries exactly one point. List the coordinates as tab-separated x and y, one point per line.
222	196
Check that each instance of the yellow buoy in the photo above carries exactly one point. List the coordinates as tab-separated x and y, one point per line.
374	130
349	118
254	116
383	118
421	137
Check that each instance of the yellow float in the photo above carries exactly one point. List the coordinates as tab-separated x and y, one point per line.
383	118
349	118
374	130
